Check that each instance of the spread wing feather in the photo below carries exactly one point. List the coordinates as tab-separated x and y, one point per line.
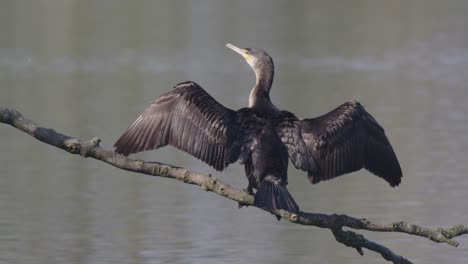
342	141
346	140
189	119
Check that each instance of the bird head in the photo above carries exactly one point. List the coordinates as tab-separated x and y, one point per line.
256	58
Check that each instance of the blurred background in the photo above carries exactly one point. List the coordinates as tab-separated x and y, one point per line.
88	68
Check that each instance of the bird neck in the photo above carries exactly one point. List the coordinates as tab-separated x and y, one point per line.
260	95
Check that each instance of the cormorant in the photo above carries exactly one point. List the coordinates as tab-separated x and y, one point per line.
263	137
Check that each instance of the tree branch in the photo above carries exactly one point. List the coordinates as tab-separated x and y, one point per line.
209	183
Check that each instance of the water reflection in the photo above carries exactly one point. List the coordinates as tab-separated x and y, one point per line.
88	68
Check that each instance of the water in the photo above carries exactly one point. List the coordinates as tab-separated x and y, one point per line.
87	68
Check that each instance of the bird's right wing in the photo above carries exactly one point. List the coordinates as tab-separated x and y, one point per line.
189	119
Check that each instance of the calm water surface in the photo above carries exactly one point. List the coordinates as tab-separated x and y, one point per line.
87	68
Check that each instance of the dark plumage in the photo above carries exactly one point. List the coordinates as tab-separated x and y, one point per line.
262	137
189	119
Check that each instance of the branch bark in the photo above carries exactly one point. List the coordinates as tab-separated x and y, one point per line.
333	222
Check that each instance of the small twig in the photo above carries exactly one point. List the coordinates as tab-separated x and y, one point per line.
209	183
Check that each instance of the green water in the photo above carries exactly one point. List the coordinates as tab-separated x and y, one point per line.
87	68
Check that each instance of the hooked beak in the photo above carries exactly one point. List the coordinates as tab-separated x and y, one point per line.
238	50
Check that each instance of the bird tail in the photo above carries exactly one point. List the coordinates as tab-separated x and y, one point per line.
272	195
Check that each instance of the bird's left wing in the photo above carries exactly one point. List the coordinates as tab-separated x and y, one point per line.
189	119
342	141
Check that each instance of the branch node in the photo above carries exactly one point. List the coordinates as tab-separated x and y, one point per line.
95	141
74	146
293	217
83	149
397	225
164	171
365	221
185	176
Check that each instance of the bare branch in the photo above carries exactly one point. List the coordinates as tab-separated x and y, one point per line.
209	183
